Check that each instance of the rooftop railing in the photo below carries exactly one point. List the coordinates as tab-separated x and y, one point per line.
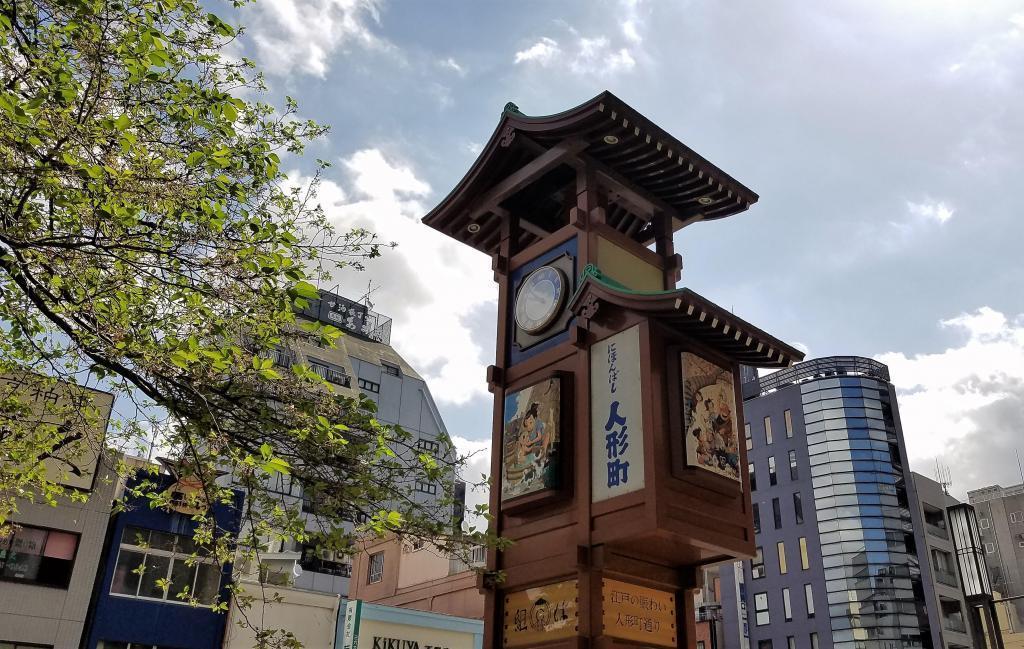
820	368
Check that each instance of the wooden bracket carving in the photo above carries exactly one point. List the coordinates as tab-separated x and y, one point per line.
590	306
495	377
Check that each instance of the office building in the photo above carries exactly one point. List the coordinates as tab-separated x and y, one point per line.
1000	512
49	556
362	362
838	563
961	623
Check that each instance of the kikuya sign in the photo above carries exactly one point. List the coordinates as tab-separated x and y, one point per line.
380	642
617	429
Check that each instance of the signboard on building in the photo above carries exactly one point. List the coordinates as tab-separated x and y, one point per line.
541	614
639	614
374	626
353	610
616	424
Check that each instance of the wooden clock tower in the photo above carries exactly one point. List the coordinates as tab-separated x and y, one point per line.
618	464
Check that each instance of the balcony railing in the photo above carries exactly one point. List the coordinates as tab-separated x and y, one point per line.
935	530
953	624
822	368
477	559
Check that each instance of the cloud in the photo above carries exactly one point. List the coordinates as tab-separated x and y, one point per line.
994	58
453	65
938	212
304	35
477	466
543	52
965	405
430	285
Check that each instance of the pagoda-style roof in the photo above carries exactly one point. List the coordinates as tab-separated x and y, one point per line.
690	313
528	169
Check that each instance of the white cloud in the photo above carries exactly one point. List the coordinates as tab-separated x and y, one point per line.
453	65
474	472
965	405
429	284
304	35
543	52
936	211
994	58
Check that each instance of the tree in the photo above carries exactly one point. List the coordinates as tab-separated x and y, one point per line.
150	244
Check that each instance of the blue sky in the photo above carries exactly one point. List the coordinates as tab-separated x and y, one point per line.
886	141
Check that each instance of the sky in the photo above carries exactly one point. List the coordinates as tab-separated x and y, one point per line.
885	140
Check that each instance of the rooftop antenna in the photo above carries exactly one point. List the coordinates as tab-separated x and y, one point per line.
942	476
370	289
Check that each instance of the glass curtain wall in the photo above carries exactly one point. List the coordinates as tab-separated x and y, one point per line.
872	573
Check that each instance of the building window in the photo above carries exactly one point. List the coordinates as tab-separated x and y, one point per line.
753	477
761	616
746	431
757	517
428	445
369	386
790	640
781	547
804	562
777	513
1017	517
787	608
757	564
391	370
325	561
700	644
814	641
984	523
788	416
764	644
809	599
990	548
38	556
767	430
793	473
159	565
798	507
376	571
426	487
330	374
773	478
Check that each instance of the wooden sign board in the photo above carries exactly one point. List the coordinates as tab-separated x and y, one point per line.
541	614
639	614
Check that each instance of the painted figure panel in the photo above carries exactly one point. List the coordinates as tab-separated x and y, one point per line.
709	404
531	438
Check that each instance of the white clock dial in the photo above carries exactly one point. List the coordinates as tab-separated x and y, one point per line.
540	299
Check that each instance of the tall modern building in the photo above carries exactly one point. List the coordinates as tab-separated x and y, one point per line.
362	362
838	564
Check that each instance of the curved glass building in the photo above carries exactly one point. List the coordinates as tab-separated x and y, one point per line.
838	563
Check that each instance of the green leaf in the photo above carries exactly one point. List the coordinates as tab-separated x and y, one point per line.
123	122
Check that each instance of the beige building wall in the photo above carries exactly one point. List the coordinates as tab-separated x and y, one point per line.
424	579
310	616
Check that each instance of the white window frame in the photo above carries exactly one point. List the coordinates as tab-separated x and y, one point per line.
984	523
787	608
1017	517
375	568
758	610
990	548
809	599
146	551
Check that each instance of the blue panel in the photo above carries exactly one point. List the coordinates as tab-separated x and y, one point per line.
170	624
515	355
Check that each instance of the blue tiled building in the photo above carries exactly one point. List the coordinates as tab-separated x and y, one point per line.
131	610
838	563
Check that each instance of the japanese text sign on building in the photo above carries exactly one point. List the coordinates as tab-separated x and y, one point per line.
617	436
643	615
541	614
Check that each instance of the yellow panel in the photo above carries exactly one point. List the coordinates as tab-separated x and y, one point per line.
541	614
628	269
643	615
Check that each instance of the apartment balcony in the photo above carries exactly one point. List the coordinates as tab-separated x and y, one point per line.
476	560
937	531
947	578
953	624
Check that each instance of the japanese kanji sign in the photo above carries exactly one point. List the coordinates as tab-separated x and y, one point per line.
541	614
617	436
640	614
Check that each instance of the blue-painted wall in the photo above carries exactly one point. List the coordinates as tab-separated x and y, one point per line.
170	623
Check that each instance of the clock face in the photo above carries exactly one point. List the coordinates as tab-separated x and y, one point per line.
540	299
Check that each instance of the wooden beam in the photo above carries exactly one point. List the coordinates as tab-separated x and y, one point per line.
528	173
629	190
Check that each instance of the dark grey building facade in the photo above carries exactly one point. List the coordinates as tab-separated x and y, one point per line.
838	563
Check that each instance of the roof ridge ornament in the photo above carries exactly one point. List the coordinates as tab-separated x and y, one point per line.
511	108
